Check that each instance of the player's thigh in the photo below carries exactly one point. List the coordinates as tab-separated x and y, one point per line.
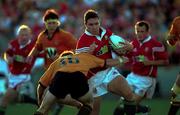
48	100
120	86
68	100
86	98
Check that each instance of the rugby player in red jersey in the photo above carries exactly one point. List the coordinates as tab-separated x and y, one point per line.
95	40
146	56
19	70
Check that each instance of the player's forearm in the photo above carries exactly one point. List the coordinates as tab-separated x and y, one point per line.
116	62
156	62
34	52
112	62
7	58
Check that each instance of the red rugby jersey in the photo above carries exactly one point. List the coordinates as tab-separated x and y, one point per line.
15	49
150	49
102	51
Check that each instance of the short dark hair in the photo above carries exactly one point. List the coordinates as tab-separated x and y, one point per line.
50	14
66	53
90	14
143	23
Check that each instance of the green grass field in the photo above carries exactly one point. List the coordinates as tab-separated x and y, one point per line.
158	107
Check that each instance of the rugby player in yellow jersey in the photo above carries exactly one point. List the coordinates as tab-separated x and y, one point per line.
68	75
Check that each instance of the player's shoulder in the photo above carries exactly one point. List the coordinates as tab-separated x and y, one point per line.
84	37
156	40
134	41
41	34
108	31
64	32
176	19
14	41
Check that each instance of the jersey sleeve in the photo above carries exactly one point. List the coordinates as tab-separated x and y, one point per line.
160	52
71	43
38	44
47	77
9	51
82	45
97	61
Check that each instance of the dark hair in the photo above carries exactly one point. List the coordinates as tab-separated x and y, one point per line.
66	53
90	14
50	14
143	23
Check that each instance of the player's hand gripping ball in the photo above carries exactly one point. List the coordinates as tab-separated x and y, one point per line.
119	44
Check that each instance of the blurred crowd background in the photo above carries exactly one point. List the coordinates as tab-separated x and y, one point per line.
117	15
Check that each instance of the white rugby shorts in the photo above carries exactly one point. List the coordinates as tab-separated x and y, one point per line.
142	85
98	83
15	80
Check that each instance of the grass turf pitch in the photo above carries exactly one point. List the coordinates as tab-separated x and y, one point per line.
158	107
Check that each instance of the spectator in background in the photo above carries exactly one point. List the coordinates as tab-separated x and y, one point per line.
173	39
19	70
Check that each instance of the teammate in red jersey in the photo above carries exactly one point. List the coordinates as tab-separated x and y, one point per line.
147	55
52	41
95	40
173	38
19	69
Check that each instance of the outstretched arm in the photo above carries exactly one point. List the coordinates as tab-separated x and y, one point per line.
116	62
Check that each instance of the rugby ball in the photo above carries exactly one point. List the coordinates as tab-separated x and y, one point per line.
116	42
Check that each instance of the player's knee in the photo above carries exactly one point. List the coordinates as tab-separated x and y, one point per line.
85	110
129	96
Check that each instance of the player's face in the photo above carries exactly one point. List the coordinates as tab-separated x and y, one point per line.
141	32
24	36
52	26
93	26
